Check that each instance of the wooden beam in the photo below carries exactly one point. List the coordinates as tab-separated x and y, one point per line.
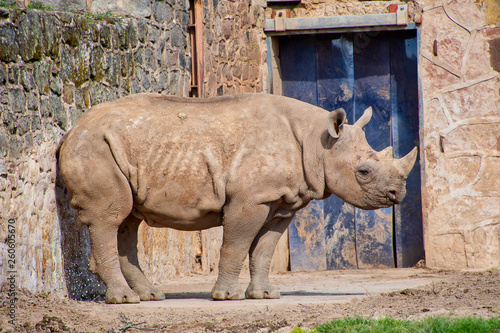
400	18
199	45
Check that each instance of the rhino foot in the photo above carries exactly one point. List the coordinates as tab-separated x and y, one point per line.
221	295
257	293
118	296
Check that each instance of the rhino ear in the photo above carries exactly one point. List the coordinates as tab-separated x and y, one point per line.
365	118
335	123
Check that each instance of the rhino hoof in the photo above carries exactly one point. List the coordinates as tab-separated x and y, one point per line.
158	296
152	296
275	294
120	297
220	295
258	294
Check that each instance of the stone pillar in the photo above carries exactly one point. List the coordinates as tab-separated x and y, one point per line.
461	128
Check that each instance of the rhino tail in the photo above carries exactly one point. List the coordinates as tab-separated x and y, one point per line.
59	145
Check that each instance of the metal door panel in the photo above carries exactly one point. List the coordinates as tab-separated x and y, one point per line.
374	241
335	74
307	239
340	234
299	80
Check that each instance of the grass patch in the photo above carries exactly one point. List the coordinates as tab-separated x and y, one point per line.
93	17
428	325
39	6
33	5
8	4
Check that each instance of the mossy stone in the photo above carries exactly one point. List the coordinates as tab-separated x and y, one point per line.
42	75
8	44
30	37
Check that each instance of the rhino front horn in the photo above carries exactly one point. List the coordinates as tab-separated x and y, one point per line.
406	163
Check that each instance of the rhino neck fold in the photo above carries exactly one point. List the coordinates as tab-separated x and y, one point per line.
313	162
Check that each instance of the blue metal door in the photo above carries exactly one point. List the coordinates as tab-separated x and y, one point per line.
355	71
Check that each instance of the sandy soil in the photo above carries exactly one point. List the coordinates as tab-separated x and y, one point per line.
308	299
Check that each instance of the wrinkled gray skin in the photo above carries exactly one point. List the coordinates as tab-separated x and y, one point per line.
244	162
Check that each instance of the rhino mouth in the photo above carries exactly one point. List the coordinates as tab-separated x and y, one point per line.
382	201
391	196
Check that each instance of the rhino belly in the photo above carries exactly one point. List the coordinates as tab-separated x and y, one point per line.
158	220
183	205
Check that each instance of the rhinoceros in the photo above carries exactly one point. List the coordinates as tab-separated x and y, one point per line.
246	162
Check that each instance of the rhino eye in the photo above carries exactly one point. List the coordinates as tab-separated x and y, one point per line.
364	172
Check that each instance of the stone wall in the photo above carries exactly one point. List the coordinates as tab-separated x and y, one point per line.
53	67
234	47
461	128
321	8
135	8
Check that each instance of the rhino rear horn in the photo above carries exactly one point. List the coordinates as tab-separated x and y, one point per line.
406	163
365	118
335	123
386	153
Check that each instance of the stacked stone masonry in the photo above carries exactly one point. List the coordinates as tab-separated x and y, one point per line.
53	67
235	48
319	8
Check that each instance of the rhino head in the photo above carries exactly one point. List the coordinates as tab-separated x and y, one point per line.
358	174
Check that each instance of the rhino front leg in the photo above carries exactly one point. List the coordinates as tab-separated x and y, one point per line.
261	254
241	225
129	262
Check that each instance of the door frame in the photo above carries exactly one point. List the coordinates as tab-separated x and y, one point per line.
367	24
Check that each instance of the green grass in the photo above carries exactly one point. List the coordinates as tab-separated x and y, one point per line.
428	325
33	5
92	17
8	4
39	5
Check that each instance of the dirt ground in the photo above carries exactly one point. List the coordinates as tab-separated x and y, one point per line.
308	299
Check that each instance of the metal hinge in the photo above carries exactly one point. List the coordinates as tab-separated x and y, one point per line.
401	13
279	17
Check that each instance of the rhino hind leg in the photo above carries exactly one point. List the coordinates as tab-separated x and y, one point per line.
103	199
241	225
129	262
261	254
107	266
